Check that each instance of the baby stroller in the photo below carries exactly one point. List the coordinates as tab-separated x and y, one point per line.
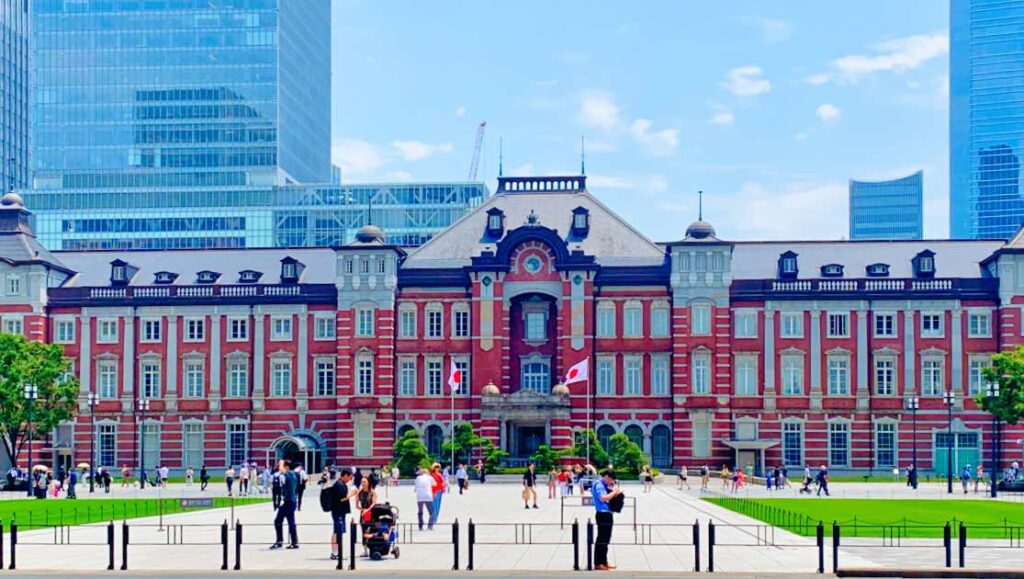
380	531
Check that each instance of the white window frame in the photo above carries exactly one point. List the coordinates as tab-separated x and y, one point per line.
189	369
745	323
325	328
605	370
700	320
838	371
407	376
700	372
976	382
929	330
792	366
984	324
407	322
14	325
147	325
434	323
13	285
364	374
461	327
841	319
324	377
661	320
889	427
932	375
106	379
236	323
632	375
192	429
282	328
281	368
433	376
59	327
891	326
534	321
365	322
150	378
886	386
237	381
462	364
633	320
190	325
745	370
605	319
661	373
791	325
797	426
840	427
103	327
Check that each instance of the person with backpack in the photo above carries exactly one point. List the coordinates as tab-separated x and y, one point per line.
335	498
303	478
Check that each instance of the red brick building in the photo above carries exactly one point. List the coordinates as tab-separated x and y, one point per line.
701	350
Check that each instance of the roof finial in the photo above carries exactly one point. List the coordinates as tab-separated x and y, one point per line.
501	157
369	209
700	206
583	156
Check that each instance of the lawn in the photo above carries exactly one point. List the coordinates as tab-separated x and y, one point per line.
885	518
33	514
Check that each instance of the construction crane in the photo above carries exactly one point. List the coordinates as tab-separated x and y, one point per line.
476	150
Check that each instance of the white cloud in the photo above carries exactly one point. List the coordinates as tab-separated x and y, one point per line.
358	158
746	81
644	184
897	55
418	150
773	30
800	136
524	170
661	142
598	109
829	112
398	176
460	112
722	116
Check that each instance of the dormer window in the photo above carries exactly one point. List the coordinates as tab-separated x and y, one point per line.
291	270
924	264
832	270
580	221
787	266
249	276
207	276
495	222
164	277
120	272
878	270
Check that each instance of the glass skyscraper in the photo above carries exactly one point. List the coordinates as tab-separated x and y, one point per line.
887	209
14	21
986	117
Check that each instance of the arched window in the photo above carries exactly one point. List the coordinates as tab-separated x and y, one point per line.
661	446
635	434
536	375
405	428
603	434
435	438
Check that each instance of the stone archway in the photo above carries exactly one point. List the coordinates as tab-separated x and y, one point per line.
299	448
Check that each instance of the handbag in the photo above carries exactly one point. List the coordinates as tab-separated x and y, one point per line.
526	493
616	503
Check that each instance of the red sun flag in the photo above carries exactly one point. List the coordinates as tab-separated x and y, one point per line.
455	378
579	372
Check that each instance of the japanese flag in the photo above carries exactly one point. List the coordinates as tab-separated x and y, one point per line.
579	372
455	378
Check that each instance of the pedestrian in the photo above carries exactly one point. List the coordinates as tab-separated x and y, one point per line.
604	491
462	478
243	480
965	478
165	473
286	512
912	476
188	476
340	494
822	480
423	487
978	478
705	476
366	497
275	486
726	477
648	478
529	487
438	489
395	475
769	479
204	478
229	478
446	473
481	471
107	479
553	483
682	481
72	481
303	478
374	478
357	478
126	475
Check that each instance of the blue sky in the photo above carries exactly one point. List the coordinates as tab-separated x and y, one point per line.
770	108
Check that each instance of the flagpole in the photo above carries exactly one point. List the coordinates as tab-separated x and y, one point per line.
451	467
588	422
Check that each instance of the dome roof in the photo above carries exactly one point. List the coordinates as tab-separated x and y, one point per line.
560	390
11	199
369	234
700	229
491	390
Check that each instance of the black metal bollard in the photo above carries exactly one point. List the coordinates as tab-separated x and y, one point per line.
110	546
947	543
224	545
124	545
14	545
962	543
711	546
820	535
470	544
238	545
351	547
1	544
590	545
576	545
455	545
835	547
696	546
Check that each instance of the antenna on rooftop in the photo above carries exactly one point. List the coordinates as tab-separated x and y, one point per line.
501	155
583	156
700	206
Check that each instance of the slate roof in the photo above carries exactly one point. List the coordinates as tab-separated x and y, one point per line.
23	249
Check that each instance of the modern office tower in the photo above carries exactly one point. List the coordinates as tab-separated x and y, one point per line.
887	209
985	131
14	22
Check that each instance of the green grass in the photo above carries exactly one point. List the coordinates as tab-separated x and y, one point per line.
870	479
885	518
34	514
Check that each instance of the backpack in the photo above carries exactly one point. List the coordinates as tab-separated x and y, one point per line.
327	498
616	503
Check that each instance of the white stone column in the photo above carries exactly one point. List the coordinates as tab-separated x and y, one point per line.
863	384
956	344
258	362
171	388
909	354
302	359
815	359
128	362
769	360
216	386
85	357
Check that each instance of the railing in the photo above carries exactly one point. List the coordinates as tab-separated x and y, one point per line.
541	184
73	295
966	286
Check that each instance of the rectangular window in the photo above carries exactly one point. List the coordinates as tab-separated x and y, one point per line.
281	378
238	378
746	376
460	323
106	331
659	322
150	378
885	325
106	379
238	329
325	377
701	373
64	331
238	436
435	325
364	376
606	375
192	445
463	367
633	385
13	285
106	444
536	326
792	375
195	329
281	328
838	376
434	377
659	375
364	322
149	445
407	377
632	321
606	320
407	323
839	444
792	325
931	325
701	438
793	443
885	373
839	324
700	320
364	437
194	378
745	324
885	445
976	382
14	326
979	325
151	330
931	378
324	328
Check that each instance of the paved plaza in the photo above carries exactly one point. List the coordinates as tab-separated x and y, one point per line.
508	536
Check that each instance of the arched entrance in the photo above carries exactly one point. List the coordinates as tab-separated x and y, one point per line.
299	448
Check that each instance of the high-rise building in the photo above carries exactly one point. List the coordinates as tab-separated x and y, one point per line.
887	209
14	22
986	136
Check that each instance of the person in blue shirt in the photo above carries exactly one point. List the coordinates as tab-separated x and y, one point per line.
603	490
72	481
289	502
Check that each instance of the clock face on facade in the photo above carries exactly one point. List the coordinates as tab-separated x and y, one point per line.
533	264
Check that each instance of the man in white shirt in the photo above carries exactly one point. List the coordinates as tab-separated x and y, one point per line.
165	473
243	480
424	497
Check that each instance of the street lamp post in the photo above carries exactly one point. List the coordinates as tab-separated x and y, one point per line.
92	444
143	409
992	392
30	398
950	398
913	403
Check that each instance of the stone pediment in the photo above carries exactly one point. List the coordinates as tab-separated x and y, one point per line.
525	404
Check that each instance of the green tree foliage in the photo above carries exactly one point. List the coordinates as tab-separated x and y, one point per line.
626	456
22	362
545	458
1008	371
410	453
493	456
598	455
465	442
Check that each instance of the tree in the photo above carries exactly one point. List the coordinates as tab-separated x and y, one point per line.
465	441
22	362
410	453
493	455
1008	371
625	455
598	455
545	458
